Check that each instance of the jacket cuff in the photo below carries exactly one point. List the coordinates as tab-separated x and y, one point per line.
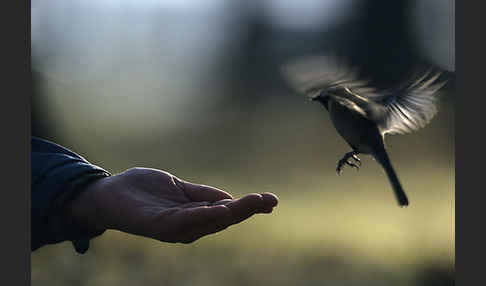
63	228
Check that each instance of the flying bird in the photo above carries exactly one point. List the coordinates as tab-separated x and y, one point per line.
362	114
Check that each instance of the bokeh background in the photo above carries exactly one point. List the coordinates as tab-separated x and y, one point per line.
194	88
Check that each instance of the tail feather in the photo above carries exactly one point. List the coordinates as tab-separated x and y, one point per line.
382	157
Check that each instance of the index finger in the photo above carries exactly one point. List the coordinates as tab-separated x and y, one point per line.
202	193
239	210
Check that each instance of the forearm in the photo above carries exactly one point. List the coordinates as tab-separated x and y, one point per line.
58	177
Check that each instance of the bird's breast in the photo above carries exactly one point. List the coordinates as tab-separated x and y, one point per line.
358	131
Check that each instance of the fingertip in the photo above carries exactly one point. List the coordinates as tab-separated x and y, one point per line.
270	199
245	207
254	200
253	196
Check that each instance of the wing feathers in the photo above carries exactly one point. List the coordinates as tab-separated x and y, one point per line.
411	107
400	110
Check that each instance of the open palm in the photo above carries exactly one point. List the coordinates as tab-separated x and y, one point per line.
156	204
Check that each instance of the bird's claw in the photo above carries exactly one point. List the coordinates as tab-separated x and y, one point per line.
345	161
339	170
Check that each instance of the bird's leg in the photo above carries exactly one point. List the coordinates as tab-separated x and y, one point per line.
355	157
345	160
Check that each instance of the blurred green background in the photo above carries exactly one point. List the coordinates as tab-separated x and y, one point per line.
193	88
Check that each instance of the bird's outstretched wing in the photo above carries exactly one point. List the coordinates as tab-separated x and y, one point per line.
401	110
311	75
410	106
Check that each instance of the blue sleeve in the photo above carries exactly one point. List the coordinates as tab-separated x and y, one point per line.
58	174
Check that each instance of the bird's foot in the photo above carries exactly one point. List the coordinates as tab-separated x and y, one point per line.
346	161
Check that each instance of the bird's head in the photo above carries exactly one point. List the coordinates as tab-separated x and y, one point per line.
323	98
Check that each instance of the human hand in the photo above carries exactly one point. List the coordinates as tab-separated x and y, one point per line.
156	204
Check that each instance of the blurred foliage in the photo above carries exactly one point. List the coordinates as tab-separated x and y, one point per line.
234	124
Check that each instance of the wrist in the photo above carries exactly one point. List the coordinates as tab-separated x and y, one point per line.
83	210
